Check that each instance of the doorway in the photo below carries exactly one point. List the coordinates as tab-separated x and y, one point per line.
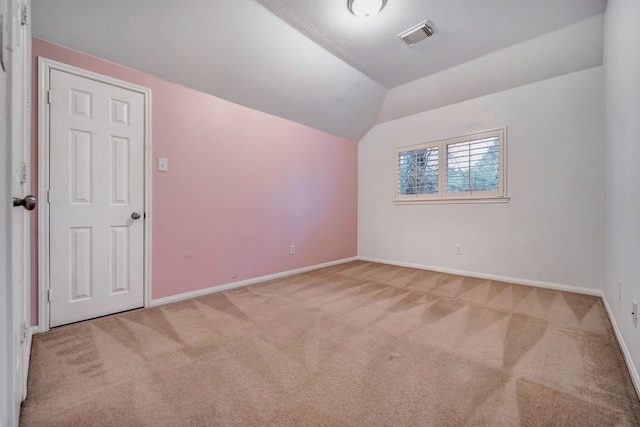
94	228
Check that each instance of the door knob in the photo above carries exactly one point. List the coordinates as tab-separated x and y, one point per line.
135	215
29	202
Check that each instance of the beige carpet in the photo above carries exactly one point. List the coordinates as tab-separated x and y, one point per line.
358	344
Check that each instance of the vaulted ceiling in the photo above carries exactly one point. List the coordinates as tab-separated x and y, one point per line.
311	61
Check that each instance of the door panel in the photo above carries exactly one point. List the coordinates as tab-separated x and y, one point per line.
96	184
15	155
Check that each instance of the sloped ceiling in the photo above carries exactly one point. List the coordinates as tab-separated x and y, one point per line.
464	30
309	61
233	49
573	48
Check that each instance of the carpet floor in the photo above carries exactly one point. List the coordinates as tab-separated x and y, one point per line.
358	344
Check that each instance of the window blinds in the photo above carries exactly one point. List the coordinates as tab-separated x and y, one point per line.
418	171
473	166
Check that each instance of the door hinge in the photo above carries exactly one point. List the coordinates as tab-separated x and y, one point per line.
49	97
25	331
48	295
24	173
25	15
49	196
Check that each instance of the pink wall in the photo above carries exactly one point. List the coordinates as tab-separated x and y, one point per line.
242	186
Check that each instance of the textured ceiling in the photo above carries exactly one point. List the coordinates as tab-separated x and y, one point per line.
464	30
309	61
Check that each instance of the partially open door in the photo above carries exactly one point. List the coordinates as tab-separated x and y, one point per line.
16	206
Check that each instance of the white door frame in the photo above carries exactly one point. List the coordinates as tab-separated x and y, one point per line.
44	67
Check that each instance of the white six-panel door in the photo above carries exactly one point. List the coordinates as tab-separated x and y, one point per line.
96	192
15	74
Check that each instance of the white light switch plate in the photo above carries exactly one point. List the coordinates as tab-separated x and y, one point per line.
163	165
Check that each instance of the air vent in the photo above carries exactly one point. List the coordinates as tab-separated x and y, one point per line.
416	33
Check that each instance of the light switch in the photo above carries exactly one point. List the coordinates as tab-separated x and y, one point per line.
163	164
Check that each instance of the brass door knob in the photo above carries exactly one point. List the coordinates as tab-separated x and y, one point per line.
135	215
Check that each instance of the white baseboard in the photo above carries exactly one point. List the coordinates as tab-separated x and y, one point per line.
242	283
635	378
32	331
518	281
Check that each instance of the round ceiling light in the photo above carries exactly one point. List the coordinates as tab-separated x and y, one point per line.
365	8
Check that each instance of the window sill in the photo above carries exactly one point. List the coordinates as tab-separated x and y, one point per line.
452	201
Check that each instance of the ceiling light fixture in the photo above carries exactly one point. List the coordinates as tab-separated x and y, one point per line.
365	8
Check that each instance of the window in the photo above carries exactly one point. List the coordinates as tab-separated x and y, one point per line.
461	169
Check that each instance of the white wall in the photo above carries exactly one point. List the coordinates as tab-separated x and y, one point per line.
573	48
622	168
550	231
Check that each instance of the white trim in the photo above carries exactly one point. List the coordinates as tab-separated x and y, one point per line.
43	211
516	280
635	378
451	201
32	331
148	191
44	68
242	283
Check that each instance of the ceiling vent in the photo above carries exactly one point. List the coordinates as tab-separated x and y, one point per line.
416	33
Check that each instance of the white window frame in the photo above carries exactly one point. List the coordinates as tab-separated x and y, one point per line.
413	197
499	196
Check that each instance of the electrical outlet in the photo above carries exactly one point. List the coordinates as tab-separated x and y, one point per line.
292	250
619	289
458	249
634	313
